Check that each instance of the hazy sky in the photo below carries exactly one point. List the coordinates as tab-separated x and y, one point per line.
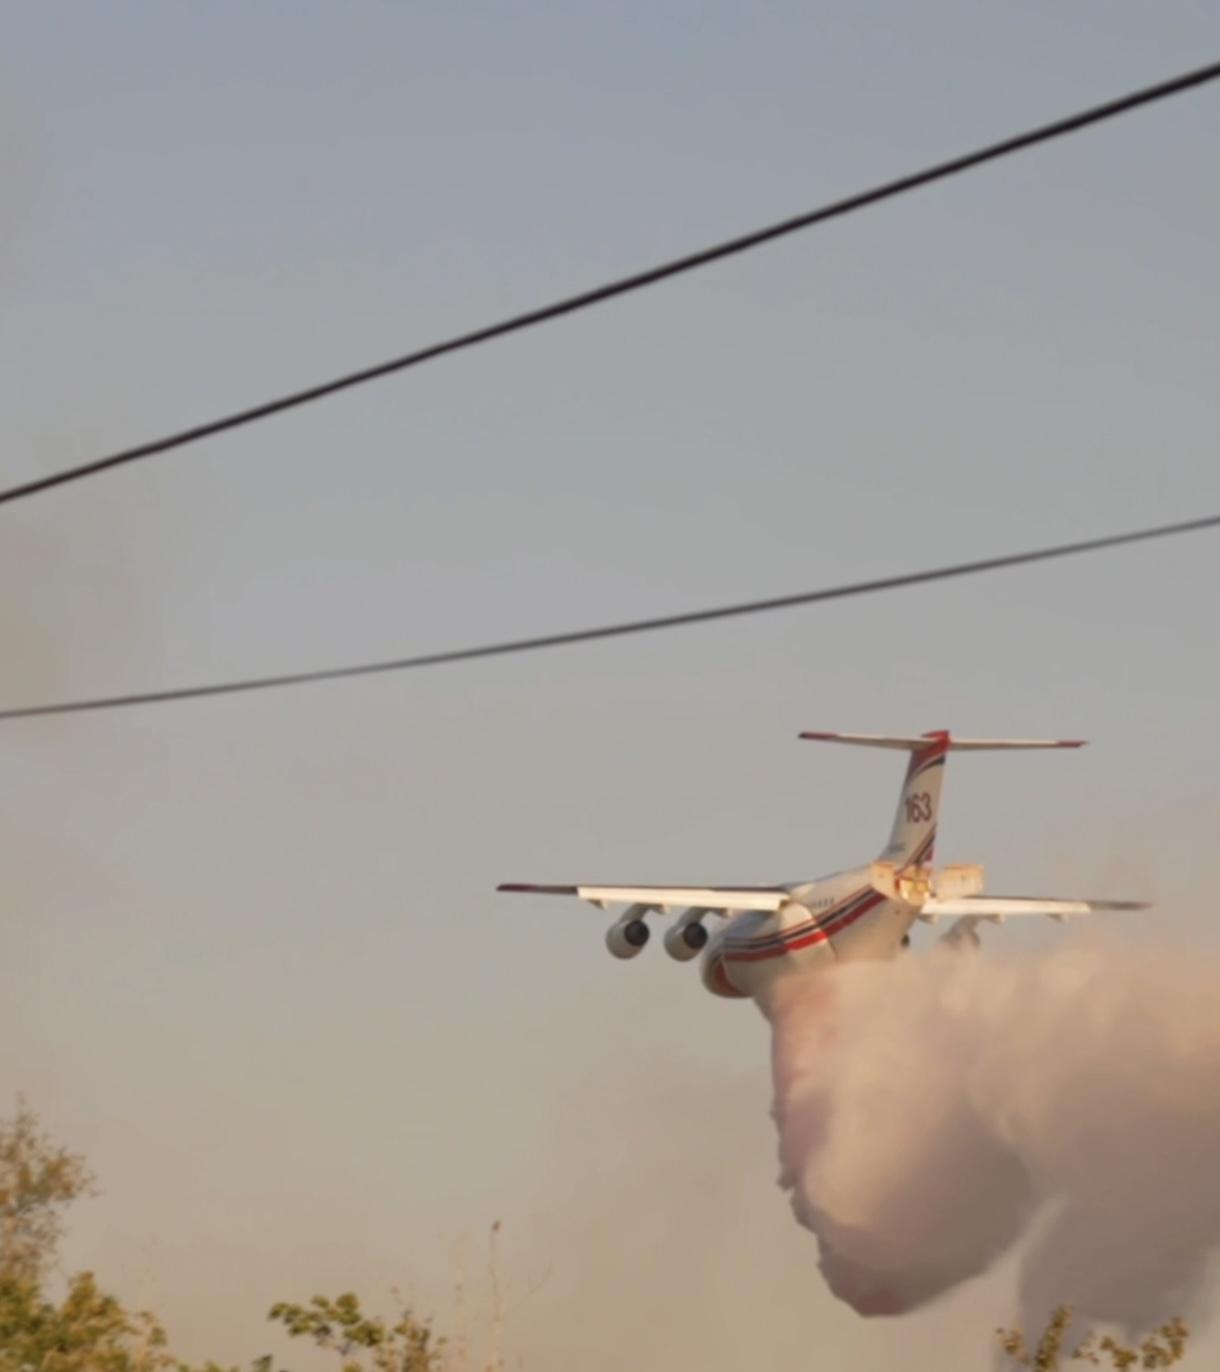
253	963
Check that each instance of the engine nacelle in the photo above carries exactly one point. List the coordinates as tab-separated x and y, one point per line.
687	938
627	937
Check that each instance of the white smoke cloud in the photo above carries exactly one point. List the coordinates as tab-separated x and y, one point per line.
930	1107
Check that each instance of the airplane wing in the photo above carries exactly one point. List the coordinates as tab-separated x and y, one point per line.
999	908
718	899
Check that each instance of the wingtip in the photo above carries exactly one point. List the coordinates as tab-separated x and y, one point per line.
535	888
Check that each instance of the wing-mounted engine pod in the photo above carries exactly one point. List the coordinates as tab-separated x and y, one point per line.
627	936
686	937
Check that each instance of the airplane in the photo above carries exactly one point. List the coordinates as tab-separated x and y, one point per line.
775	932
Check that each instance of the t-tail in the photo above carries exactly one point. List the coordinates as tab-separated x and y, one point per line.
913	837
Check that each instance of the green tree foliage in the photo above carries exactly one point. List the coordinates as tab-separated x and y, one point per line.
37	1181
364	1343
88	1331
1165	1346
92	1331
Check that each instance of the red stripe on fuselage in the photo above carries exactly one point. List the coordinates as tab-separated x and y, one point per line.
870	901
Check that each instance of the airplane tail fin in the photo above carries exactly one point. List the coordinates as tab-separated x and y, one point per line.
914	833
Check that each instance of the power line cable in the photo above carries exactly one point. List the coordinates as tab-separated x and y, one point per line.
620	630
623	285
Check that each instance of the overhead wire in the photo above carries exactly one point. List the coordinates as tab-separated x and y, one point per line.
624	285
621	629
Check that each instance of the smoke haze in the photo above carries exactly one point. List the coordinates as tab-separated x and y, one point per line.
929	1108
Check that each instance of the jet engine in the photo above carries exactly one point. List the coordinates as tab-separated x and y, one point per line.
687	937
627	936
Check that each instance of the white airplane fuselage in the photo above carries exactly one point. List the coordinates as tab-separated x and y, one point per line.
837	918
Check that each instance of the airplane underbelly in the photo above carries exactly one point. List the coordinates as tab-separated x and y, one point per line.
756	949
754	977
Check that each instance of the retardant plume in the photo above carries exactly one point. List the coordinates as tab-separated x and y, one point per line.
930	1107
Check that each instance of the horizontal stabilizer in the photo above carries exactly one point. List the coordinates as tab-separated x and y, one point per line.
917	743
